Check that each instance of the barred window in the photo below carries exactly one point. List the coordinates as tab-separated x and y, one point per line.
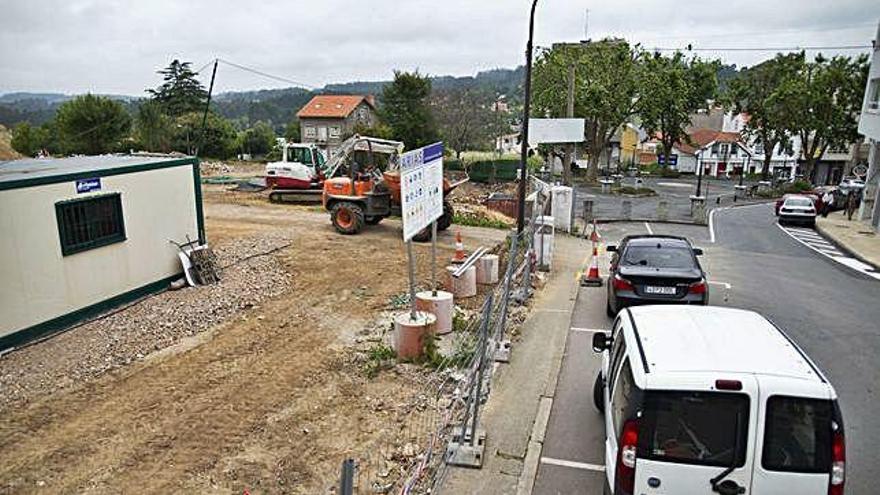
89	223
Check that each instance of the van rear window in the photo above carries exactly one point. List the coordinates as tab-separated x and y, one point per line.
694	427
797	435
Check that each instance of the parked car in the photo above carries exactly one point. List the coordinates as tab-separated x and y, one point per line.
798	209
815	196
848	184
655	269
714	400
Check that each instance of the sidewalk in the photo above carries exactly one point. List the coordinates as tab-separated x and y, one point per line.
854	236
517	388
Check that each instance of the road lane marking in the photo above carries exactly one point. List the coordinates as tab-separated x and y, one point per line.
724	284
648	228
835	255
588	330
551	310
573	464
712	225
675	184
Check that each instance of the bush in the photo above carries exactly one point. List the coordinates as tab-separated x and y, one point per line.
641	191
476	221
494	170
797	186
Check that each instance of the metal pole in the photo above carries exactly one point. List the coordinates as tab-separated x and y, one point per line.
699	174
484	331
569	112
412	281
434	258
346	479
207	106
524	149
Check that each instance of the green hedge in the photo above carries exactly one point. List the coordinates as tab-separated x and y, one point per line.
494	170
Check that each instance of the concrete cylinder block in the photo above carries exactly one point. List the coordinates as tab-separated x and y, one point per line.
440	305
487	269
410	333
463	286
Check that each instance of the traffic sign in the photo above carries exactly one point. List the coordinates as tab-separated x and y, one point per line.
673	159
421	188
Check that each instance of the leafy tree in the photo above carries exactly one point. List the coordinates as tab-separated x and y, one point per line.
91	125
181	92
754	91
822	103
29	140
154	130
406	109
218	141
292	132
606	94
672	89
379	130
466	118
258	140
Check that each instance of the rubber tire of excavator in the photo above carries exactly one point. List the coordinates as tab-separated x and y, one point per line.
445	220
424	235
357	214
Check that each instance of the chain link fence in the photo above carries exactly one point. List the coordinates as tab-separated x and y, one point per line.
440	425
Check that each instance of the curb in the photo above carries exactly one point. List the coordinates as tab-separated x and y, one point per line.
846	249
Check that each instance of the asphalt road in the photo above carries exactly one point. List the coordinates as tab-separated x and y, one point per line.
831	311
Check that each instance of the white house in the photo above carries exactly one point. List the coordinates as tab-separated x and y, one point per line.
84	234
869	126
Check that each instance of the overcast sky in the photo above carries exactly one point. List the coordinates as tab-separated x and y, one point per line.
106	46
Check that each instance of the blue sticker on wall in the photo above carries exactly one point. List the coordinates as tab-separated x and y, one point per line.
88	185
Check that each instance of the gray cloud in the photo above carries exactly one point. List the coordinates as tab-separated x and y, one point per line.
116	46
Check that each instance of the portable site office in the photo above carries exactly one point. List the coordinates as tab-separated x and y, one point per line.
83	234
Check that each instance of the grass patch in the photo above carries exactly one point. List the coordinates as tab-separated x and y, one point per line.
474	221
379	357
635	191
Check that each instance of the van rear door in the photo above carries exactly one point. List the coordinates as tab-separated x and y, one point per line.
797	437
698	442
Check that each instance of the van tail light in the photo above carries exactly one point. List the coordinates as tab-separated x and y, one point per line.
697	287
625	475
728	385
619	283
838	463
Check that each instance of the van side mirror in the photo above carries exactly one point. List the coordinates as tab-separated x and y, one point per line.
611	249
601	341
698	251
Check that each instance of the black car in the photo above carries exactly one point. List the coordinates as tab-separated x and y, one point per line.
655	269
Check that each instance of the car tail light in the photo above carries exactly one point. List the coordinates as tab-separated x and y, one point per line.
619	283
728	385
625	474
838	464
697	287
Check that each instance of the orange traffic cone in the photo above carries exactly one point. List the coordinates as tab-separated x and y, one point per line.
592	277
459	249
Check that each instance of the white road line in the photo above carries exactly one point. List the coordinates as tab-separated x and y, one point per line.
842	259
588	330
648	228
572	464
724	284
712	225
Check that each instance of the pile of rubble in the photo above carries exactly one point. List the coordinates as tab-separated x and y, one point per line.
130	334
209	168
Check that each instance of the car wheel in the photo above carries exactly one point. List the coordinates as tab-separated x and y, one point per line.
609	310
599	394
347	218
423	235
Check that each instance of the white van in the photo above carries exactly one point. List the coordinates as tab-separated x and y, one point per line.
705	400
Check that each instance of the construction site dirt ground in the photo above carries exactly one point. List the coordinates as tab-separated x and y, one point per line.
270	400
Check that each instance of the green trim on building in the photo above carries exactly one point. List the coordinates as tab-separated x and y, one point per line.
54	325
107	172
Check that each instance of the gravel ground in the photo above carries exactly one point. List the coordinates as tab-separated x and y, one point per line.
119	338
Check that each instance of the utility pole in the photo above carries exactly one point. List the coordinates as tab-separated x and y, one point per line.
524	150
569	112
207	106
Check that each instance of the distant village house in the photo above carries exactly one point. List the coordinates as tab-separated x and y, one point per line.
327	119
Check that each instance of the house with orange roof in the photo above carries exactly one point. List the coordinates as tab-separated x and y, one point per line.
327	119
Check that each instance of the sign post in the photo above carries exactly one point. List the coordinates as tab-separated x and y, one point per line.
421	198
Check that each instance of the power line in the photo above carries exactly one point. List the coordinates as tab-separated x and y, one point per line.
267	75
770	33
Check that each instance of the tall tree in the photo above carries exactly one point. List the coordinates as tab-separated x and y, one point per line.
180	92
466	118
293	132
606	88
258	140
154	130
28	140
673	88
406	109
754	92
219	139
822	104
92	125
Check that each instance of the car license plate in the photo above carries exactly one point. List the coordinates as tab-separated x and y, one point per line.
666	291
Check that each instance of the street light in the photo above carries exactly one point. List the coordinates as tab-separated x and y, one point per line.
699	173
524	151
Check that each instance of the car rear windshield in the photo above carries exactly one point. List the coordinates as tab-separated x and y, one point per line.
694	428
798	202
797	435
658	256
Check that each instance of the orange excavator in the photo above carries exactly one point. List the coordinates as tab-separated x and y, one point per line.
369	190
